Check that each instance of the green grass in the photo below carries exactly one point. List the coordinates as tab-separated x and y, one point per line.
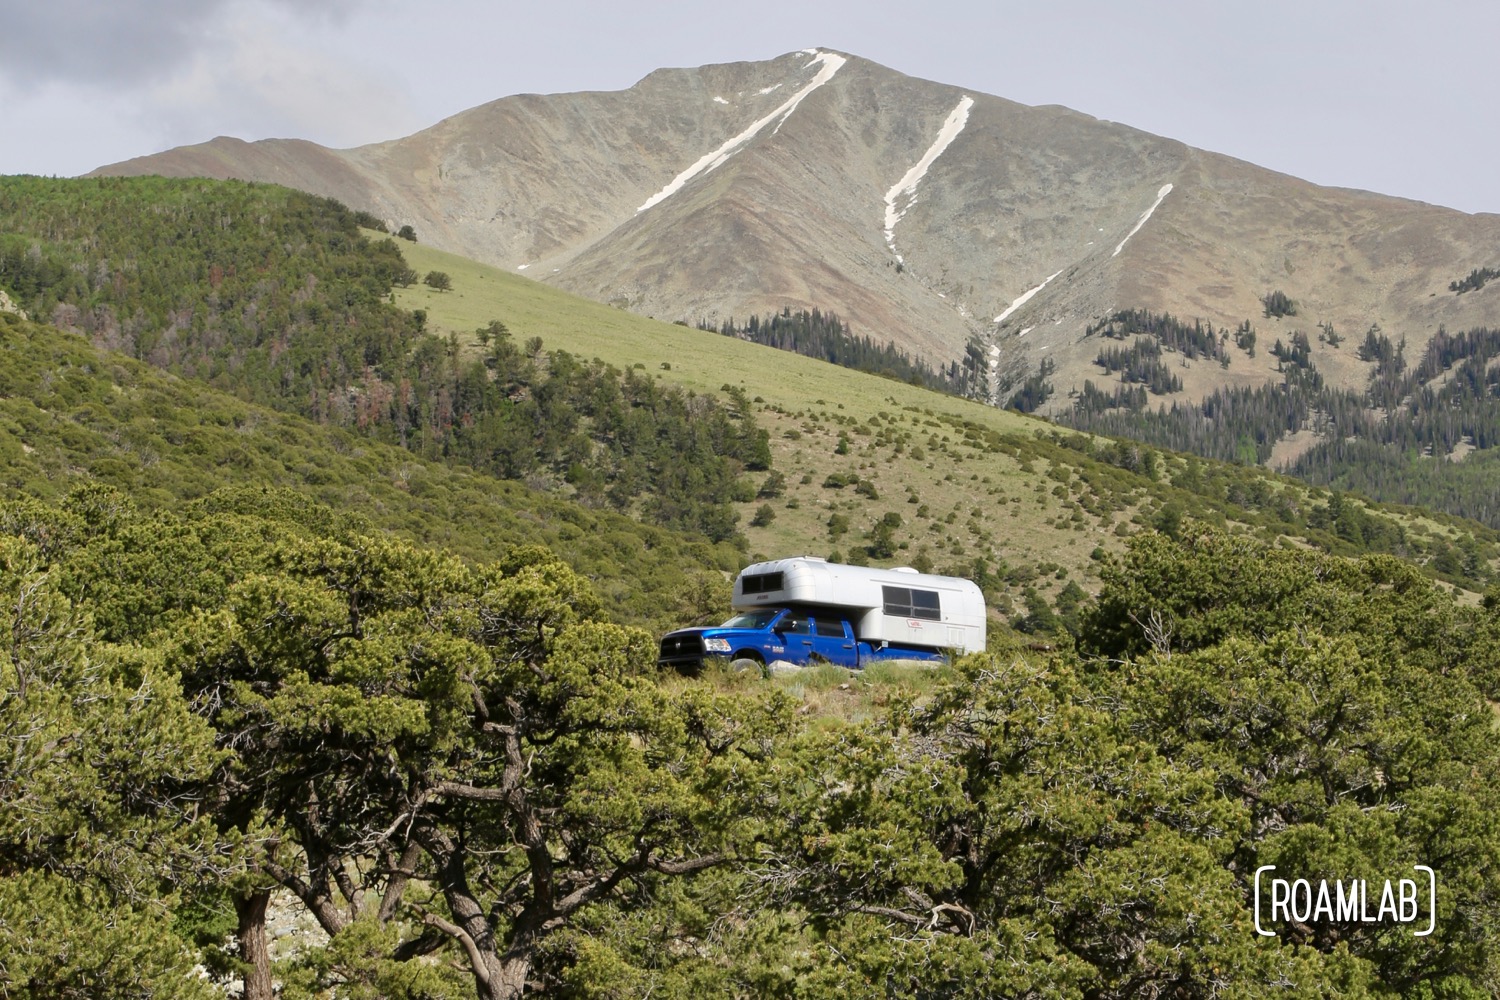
990	488
698	359
795	394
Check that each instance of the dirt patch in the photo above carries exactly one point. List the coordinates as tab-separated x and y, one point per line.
1284	453
1461	450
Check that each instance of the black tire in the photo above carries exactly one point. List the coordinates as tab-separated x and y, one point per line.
747	664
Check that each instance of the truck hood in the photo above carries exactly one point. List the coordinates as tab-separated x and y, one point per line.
718	632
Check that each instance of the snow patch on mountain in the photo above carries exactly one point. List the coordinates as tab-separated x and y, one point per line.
720	100
830	64
1024	298
907	185
1161	196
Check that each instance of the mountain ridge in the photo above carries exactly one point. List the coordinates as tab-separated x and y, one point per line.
596	193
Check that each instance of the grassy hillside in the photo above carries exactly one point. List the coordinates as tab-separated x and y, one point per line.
274	297
71	415
966	481
223	680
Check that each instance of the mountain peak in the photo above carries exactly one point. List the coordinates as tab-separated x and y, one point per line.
923	214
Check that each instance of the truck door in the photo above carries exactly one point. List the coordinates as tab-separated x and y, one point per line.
832	641
795	630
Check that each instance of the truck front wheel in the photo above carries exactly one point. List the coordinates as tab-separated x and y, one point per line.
746	662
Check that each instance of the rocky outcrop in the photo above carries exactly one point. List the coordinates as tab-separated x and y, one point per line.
6	305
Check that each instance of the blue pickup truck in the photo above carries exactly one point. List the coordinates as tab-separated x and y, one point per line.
799	636
803	609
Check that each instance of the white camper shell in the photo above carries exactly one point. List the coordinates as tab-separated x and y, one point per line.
899	607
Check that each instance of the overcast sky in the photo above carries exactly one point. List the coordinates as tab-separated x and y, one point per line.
1396	97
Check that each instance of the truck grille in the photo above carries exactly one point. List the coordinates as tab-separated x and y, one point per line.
681	650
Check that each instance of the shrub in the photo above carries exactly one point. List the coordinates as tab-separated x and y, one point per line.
1277	304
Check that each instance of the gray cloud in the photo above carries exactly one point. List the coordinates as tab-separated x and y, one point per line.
76	40
1377	94
122	42
262	79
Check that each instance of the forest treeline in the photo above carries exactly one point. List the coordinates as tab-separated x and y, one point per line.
1185	489
1192	341
475	786
823	335
1140	363
1388	442
1474	281
70	414
274	296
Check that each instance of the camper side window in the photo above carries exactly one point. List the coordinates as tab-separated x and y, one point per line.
907	602
760	583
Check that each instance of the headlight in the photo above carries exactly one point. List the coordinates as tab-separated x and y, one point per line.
716	645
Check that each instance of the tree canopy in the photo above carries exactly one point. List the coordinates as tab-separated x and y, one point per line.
274	637
462	761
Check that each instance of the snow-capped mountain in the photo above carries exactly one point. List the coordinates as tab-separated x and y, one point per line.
920	212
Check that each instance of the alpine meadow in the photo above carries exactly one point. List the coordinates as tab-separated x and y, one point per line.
335	551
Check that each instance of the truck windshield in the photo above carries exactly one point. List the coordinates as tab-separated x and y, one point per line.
753	619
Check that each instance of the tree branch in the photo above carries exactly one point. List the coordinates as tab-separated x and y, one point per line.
900	916
396	886
457	790
476	957
317	901
687	866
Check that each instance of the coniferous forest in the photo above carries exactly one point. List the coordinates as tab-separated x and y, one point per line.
1398	441
196	279
309	616
822	335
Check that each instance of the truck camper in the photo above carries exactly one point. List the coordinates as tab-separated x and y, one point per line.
804	609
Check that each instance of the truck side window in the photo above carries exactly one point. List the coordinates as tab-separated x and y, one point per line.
795	625
830	627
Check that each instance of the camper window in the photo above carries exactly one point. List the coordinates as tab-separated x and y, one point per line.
906	602
760	583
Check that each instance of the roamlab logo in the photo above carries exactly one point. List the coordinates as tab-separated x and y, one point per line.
1347	901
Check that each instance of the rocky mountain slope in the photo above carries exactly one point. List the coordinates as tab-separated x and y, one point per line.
921	212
